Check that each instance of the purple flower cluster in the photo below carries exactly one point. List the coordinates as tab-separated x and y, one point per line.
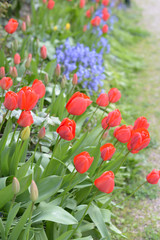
88	64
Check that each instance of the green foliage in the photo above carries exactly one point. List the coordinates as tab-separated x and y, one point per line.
63	194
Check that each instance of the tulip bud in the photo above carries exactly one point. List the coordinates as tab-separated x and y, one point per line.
58	70
15	186
63	82
30	56
28	21
33	191
43	52
10	70
28	63
23	27
17	59
14	73
2	72
105	135
42	133
46	78
84	28
75	79
25	134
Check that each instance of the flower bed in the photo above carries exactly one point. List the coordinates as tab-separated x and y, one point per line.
63	140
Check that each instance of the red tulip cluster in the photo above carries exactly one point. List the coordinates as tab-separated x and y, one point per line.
113	96
95	22
137	136
25	99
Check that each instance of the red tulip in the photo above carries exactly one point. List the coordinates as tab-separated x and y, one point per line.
107	151
96	21
39	88
25	119
43	52
42	133
106	16
78	103
112	120
2	72
88	13
104	10
123	133
114	95
141	122
140	139
102	100
82	162
44	1
27	98
51	4
10	101
6	83
67	129
17	59
105	28
105	183
105	2
153	177
23	27
82	3
75	79
11	26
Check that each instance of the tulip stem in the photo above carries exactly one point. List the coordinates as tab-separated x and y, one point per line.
68	188
5	40
34	153
41	104
99	168
132	193
4	116
19	84
116	142
83	215
55	146
102	134
29	222
104	111
72	89
13	134
13	200
122	162
90	117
